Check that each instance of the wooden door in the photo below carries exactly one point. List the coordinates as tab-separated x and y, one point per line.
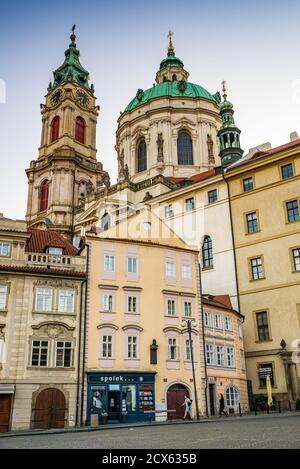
5	406
49	411
175	399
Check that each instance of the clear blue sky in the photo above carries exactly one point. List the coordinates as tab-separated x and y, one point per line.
253	45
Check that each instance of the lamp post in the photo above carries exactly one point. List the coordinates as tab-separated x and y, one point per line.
189	324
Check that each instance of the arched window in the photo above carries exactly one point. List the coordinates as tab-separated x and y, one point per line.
55	129
174	78
105	222
207	253
232	396
142	156
185	149
80	129
44	194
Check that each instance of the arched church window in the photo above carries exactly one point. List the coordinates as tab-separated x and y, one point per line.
174	78
207	253
80	129
105	222
44	195
184	149
55	128
142	156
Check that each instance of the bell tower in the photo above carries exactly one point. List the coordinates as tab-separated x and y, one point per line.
66	169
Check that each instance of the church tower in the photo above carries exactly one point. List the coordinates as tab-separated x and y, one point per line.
229	134
66	170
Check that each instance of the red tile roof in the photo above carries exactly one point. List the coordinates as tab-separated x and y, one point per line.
219	301
40	240
42	270
197	177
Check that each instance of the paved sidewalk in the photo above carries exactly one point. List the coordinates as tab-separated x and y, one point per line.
207	420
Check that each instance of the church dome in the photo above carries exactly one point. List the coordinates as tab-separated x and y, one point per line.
172	89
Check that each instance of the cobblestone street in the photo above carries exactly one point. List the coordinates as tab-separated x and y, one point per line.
260	432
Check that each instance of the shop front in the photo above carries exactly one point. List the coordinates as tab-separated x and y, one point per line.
121	396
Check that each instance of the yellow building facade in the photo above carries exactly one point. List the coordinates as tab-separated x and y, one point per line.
264	194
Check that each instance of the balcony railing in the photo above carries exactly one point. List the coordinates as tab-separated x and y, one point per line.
56	260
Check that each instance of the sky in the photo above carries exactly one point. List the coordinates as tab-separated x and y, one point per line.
253	45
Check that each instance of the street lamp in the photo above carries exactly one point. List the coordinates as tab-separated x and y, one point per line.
190	323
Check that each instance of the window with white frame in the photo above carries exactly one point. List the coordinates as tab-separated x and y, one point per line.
190	204
107	302
220	359
43	299
3	296
170	269
132	265
66	301
168	211
55	251
132	304
171	307
132	347
228	323
109	263
106	346
186	271
243	360
218	321
172	348
187	308
188	354
232	396
209	349
230	357
207	319
39	353
64	354
4	249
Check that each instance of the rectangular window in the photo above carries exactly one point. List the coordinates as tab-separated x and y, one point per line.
107	346
264	370
209	354
187	305
39	354
170	269
107	302
66	301
248	184
4	249
218	321
292	211
131	347
230	357
188	354
190	204
132	265
243	361
109	263
186	271
132	304
169	211
256	268
3	296
262	326
64	354
252	222
296	259
171	307
287	171
55	251
43	299
220	355
228	323
172	348
207	319
212	196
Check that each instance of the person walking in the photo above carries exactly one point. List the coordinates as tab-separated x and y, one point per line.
222	406
187	411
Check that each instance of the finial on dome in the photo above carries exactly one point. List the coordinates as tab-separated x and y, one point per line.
171	50
73	36
224	90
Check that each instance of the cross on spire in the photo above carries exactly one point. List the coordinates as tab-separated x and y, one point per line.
171	47
224	90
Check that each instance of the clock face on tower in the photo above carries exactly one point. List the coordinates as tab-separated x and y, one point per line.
82	98
56	97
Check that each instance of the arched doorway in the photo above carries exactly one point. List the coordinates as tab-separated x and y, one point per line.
50	409
175	399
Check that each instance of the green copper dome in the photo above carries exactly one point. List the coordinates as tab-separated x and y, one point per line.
173	90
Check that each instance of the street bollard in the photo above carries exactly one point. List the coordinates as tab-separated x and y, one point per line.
290	406
268	409
279	407
240	410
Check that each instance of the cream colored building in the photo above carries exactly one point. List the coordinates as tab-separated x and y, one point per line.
264	194
42	284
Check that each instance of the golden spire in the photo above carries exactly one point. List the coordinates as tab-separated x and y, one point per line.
224	90
73	36
171	50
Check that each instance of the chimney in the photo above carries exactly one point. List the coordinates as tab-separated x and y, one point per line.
294	136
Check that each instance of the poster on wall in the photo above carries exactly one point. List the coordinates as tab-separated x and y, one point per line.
146	397
98	400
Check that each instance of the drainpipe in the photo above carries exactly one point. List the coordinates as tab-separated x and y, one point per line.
203	339
84	330
233	244
79	353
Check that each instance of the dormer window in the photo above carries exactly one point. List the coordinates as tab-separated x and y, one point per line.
55	251
4	249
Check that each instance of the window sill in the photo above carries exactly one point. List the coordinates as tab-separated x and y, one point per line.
53	368
3	311
206	269
108	312
55	313
257	279
263	341
252	233
291	222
